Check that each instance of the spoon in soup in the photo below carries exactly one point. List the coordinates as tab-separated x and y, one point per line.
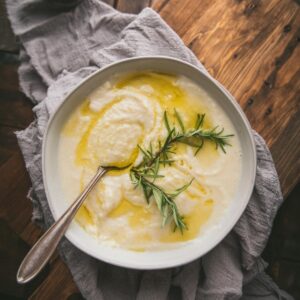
43	249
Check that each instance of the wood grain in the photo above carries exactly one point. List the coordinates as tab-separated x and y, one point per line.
158	5
110	2
17	230
283	248
12	251
57	285
131	6
8	41
252	48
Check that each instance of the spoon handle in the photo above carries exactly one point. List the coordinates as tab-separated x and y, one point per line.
41	252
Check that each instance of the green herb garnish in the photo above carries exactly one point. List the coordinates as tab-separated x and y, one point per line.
144	175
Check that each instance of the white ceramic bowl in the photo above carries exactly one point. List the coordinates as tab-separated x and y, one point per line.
159	259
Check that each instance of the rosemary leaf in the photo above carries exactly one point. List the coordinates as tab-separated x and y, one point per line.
167	122
144	175
179	121
199	121
182	189
158	198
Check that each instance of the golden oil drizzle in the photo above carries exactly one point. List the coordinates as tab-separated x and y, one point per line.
137	215
200	215
166	91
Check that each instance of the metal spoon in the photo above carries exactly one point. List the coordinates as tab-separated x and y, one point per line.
43	249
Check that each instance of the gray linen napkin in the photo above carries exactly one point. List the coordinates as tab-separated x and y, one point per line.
62	43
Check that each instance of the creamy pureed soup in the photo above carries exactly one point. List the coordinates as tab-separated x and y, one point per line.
126	111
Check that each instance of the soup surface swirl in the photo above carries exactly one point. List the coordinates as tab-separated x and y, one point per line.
127	111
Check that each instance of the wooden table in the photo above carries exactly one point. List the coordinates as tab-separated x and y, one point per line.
251	47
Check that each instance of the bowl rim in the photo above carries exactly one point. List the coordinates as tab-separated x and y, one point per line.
183	260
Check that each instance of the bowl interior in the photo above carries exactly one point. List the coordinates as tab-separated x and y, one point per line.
159	259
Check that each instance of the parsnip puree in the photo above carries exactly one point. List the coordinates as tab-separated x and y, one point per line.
126	111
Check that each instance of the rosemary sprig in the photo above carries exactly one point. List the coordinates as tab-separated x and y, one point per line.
144	175
196	136
164	201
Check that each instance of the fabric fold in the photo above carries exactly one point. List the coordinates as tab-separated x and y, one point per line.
64	42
